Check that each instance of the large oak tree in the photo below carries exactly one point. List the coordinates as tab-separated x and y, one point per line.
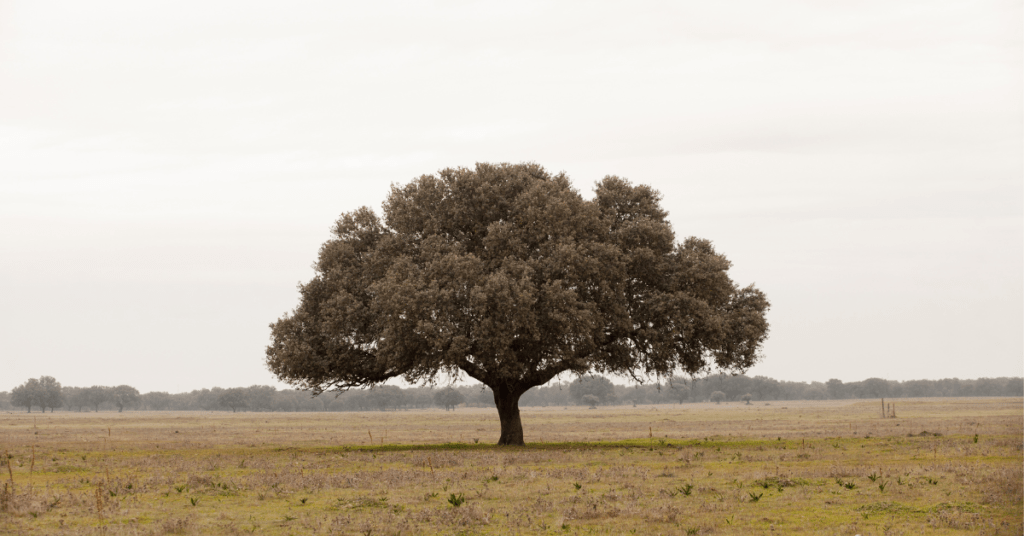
507	274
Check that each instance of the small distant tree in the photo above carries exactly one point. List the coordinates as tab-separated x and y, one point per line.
96	395
156	400
385	396
679	391
206	399
50	393
354	400
717	397
124	396
746	398
233	398
27	395
260	397
448	398
422	399
835	389
591	401
591	384
874	388
74	398
635	395
815	392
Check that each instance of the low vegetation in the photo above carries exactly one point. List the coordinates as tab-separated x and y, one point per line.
47	393
944	466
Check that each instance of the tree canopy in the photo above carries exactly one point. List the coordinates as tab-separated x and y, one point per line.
124	395
27	395
507	274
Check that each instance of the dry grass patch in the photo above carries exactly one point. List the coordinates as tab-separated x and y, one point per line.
791	467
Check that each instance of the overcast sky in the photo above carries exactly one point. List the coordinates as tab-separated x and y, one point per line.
168	170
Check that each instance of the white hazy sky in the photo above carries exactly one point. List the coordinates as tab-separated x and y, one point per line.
169	169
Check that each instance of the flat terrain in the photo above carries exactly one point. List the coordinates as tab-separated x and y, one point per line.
942	466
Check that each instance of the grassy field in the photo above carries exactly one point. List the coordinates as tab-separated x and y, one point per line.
943	466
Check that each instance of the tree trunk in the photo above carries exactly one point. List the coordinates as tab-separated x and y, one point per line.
507	400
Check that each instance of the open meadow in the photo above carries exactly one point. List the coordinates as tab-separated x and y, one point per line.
942	466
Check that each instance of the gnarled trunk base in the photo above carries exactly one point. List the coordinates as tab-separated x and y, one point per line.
507	401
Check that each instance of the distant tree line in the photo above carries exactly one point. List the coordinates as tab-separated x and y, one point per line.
46	393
